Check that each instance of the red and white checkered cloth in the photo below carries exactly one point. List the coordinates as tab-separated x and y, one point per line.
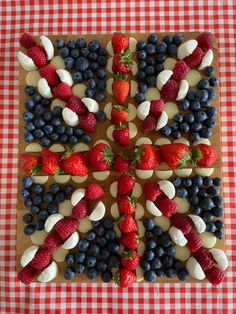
72	17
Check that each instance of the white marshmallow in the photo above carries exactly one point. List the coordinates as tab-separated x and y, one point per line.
195	269
72	241
177	236
143	110
77	195
186	49
163	77
44	89
51	221
28	255
48	46
65	77
167	188
26	62
152	209
70	117
48	273
98	212
91	104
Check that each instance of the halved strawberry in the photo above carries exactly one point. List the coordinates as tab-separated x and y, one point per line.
74	163
50	162
30	163
100	156
119	114
119	42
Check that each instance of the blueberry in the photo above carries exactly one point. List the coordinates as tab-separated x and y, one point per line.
93	56
149	70
64	52
184	104
160	58
107	276
193	200
100	96
205	132
157	230
90	235
81	64
217	181
114	261
181	192
170	250
29	126
78	132
79	268
52	208
164	240
80	257
217	211
28	116
141	54
83	245
141	44
161	47
93	45
29	229
194	137
211	93
149	255
39	123
27	182
101	242
145	265
208	71
210	227
184	127
158	251
77	76
166	130
207	216
57	111
80	43
189	118
170	272
56	121
219	224
110	235
70	258
88	74
70	44
74	53
150	276
213	191
69	273
59	43
197	180
101	74
46	142
45	102
195	106
160	273
101	85
29	105
174	126
149	235
43	214
68	189
187	182
200	116
205	104
182	274
193	190
90	261
84	52
86	138
108	223
39	224
94	66
167	261
210	123
60	197
47	116
102	51
30	90
101	266
203	84
218	201
48	129
195	210
219	234
104	253
207	181
159	67
150	62
149	223
172	50
177	264
54	188
195	126
177	39
63	138
27	218
202	192
176	181
89	93
69	62
176	134
156	263
139	97
25	193
69	131
61	129
102	60
47	197
152	39
150	244
141	76
94	249
100	115
38	133
28	202
150	49
178	118
96	223
73	140
191	95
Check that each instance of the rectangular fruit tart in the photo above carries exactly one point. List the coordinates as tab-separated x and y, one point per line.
119	159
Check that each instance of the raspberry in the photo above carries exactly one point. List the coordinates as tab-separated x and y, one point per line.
156	108
180	70
195	58
149	124
62	91
41	259
26	275
205	41
53	241
65	227
152	191
166	206
27	41
88	122
80	210
38	55
76	105
215	275
50	74
94	191
170	90
194	241
204	258
182	222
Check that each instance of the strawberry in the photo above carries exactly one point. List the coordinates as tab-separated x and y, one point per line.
50	162
53	241
27	41
41	259
127	224
121	135
167	207
182	222
205	41
156	107
94	191
125	184
152	191
120	88
204	258
118	114
62	91
119	42
38	55
100	156
195	58
80	210
194	241
170	90
176	155
88	122
146	157
180	70
122	62
129	259
65	227
129	240
215	275
74	164
30	163
75	104
149	124
127	205
27	274
204	155
125	277
50	74
121	163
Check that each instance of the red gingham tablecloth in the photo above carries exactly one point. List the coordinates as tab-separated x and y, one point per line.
72	17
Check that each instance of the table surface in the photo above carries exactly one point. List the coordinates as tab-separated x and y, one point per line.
72	17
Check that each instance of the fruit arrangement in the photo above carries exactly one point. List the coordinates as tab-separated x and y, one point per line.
119	160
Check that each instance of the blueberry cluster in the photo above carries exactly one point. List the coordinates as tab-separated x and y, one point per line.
47	126
41	203
200	119
151	55
203	196
89	60
97	253
158	259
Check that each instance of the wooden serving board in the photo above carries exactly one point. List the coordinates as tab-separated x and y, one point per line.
24	241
